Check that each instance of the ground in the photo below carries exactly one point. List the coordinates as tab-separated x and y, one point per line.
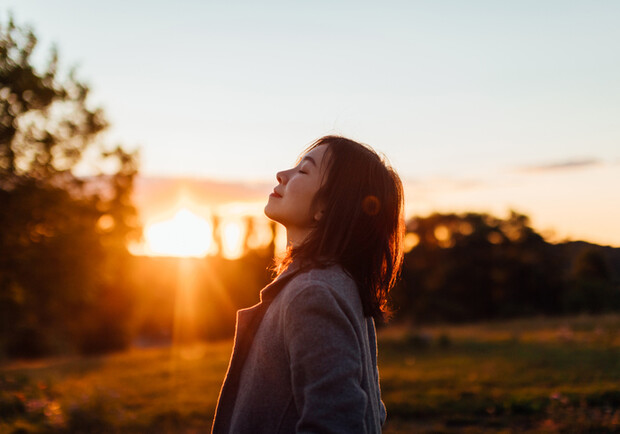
528	375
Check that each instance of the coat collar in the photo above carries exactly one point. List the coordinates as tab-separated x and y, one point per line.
270	291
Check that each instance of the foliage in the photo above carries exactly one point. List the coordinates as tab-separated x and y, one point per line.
590	286
475	266
62	237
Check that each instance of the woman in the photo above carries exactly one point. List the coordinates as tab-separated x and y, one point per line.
305	358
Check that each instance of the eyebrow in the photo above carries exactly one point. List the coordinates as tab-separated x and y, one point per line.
310	159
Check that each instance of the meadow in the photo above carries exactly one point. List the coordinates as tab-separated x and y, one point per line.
527	375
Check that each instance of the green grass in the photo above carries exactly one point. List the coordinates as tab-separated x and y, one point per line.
535	375
549	375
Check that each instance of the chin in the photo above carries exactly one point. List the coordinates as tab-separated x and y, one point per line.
268	212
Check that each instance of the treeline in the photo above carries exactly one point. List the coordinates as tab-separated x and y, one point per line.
476	266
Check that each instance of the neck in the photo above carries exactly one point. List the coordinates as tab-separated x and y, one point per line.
294	237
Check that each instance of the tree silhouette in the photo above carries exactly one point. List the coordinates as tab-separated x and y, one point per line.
590	286
62	237
475	266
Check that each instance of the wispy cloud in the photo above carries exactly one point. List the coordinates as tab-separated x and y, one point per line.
572	164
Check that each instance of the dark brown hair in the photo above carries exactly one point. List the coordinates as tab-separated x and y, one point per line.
362	226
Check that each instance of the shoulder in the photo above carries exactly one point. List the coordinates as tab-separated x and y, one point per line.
333	276
330	284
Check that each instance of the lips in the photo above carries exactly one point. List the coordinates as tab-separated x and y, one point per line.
275	194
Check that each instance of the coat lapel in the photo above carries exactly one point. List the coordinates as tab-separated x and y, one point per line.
248	321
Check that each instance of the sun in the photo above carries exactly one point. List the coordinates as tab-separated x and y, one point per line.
184	235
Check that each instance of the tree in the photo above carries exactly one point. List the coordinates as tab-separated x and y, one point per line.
590	286
62	236
475	266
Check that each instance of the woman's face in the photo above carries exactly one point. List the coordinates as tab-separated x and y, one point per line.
291	201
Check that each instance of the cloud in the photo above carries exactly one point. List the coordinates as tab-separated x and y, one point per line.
158	195
572	164
212	191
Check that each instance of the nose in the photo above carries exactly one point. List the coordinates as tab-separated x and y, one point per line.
282	177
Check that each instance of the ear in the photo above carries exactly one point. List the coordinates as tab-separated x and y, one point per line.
318	215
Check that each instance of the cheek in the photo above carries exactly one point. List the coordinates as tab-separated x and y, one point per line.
306	197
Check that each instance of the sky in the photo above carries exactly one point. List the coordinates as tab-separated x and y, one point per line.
480	105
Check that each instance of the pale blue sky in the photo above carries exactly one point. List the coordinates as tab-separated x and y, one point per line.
464	91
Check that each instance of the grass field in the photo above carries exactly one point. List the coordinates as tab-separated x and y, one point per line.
534	375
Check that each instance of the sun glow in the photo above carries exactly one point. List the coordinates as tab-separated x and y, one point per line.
185	235
233	234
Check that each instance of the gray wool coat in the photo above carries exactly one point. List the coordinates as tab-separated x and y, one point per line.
304	361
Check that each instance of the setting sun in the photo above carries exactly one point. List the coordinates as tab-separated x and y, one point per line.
232	243
185	234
